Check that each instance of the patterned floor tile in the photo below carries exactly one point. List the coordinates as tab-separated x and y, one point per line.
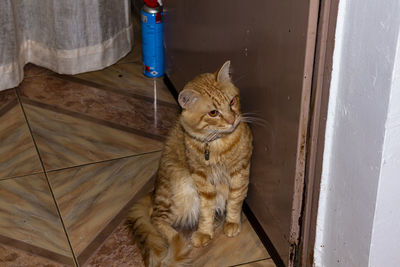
17	151
116	108
118	250
129	78
225	251
89	197
11	257
221	252
29	218
263	263
66	141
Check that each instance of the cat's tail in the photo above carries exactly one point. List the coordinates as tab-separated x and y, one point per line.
156	250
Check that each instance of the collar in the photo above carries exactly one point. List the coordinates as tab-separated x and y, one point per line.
200	140
206	142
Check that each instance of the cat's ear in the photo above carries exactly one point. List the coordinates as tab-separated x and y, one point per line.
187	98
223	74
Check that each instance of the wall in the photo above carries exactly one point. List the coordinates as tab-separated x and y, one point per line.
357	215
386	230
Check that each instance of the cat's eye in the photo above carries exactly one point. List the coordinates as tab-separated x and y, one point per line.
232	101
213	113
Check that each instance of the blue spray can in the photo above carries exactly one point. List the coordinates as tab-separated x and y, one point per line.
152	39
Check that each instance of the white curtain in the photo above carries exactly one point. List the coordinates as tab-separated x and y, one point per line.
66	36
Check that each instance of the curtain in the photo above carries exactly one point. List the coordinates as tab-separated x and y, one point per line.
66	36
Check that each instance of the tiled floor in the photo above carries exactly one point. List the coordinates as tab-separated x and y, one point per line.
75	153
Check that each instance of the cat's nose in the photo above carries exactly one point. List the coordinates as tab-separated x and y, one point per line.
231	120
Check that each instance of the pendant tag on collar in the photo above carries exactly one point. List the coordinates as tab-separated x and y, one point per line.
206	153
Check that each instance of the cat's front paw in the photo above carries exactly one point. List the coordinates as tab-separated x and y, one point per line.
200	239
232	229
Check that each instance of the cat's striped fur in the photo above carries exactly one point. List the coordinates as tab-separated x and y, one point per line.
190	188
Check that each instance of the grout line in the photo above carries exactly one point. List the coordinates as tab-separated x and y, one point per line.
8	106
103	161
137	61
241	264
171	88
119	218
39	252
21	176
47	180
109	88
84	116
46	72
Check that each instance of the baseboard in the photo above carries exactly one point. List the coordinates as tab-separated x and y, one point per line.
263	236
171	87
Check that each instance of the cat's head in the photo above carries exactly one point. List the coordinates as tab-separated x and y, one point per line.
211	105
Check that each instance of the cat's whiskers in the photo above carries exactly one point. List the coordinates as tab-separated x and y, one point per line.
240	77
251	114
211	136
248	118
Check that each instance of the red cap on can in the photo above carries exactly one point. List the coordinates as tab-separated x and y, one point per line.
151	3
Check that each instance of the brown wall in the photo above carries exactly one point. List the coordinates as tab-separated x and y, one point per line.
266	42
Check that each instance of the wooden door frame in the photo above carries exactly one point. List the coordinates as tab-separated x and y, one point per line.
317	123
308	196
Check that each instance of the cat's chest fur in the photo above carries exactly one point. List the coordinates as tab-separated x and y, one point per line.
218	164
214	158
218	174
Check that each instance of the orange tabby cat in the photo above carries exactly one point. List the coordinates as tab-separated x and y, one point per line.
204	169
